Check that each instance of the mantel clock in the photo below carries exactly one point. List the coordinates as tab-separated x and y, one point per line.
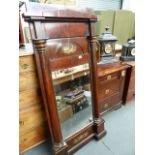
107	46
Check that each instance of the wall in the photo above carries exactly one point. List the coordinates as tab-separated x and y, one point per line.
129	5
99	4
121	22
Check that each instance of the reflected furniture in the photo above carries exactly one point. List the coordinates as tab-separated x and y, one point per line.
65	53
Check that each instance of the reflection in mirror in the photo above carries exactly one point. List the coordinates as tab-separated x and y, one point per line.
73	96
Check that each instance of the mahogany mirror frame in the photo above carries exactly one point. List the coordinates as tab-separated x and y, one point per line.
94	129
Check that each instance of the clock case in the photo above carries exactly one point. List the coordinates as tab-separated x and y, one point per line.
127	51
53	23
104	39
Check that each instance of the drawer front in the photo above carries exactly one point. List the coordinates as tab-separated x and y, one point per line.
28	81
104	104
109	102
110	77
26	64
30	98
31	117
32	138
108	89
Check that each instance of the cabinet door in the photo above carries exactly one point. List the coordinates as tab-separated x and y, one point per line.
70	76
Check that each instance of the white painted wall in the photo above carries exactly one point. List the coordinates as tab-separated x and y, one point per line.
99	4
129	5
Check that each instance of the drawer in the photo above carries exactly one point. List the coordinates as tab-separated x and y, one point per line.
26	64
110	77
28	81
109	102
31	117
108	89
30	98
113	76
33	137
104	104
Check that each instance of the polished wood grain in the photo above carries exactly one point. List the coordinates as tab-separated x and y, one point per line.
21	34
59	25
111	78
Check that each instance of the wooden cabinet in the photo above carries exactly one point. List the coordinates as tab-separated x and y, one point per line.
111	79
65	52
129	91
32	120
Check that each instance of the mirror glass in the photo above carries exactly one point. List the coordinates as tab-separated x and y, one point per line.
73	97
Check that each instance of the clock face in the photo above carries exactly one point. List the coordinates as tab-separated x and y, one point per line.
133	52
108	48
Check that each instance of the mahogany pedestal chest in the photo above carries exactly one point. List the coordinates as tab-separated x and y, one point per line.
111	79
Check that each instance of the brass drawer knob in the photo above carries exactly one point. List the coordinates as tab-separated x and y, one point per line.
123	73
105	105
107	91
109	77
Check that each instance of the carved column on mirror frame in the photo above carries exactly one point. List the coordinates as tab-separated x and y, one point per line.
98	121
59	145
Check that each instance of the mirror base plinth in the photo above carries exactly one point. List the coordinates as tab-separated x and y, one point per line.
99	128
100	135
62	150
